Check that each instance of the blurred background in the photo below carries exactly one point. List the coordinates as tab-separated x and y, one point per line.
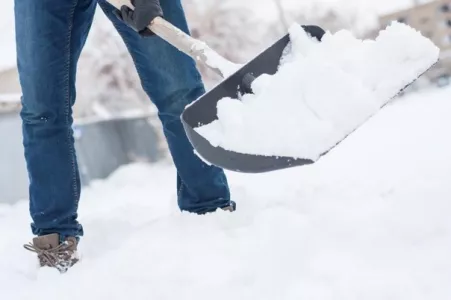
115	123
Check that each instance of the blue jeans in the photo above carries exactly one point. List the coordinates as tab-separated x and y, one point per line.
50	35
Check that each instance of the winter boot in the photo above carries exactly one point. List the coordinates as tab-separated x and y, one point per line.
52	253
231	207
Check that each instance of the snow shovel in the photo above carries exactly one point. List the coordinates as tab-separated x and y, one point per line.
236	78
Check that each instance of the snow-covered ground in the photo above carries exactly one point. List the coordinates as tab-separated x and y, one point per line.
371	220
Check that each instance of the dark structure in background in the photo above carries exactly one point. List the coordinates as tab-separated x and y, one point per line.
102	147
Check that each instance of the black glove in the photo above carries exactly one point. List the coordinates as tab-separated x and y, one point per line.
138	19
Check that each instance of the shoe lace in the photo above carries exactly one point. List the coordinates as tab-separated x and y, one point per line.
50	256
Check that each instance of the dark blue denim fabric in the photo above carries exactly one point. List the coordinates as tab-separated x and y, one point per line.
50	36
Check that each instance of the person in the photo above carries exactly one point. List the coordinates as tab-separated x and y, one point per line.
50	35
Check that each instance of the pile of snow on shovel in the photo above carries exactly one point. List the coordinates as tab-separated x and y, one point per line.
321	93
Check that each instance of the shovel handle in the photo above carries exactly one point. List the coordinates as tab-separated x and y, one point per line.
196	49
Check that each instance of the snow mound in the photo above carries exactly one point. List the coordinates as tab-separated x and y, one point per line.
321	93
371	221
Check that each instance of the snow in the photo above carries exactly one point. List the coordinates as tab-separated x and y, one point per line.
10	98
321	93
9	102
203	53
369	221
7	36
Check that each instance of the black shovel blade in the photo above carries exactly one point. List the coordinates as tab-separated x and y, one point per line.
204	111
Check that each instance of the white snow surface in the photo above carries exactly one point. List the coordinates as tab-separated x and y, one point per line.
371	221
7	36
213	60
10	98
321	92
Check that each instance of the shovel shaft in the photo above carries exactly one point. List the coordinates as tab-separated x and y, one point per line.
198	50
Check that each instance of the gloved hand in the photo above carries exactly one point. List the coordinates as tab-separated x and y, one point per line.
143	14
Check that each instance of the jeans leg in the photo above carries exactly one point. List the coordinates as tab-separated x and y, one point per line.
171	80
50	35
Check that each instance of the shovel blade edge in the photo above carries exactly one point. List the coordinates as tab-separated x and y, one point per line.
204	111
